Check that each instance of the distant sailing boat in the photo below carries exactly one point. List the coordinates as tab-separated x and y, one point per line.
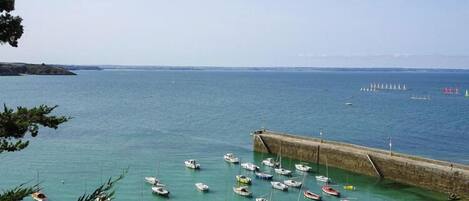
467	94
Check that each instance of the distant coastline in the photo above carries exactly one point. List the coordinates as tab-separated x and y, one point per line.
17	69
65	69
286	69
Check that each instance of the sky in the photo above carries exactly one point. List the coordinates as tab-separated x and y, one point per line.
243	33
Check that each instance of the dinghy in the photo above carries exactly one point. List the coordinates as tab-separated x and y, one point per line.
311	195
302	167
192	164
160	191
242	191
250	166
349	187
261	199
39	196
329	190
262	175
279	186
270	162
201	187
231	158
292	183
243	179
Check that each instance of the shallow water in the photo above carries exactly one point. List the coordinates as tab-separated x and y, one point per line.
146	119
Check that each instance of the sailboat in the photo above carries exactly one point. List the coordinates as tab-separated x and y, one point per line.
292	183
154	180
302	167
324	178
38	196
270	162
467	94
281	170
329	190
279	186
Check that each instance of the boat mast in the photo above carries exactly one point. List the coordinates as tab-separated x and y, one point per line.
302	184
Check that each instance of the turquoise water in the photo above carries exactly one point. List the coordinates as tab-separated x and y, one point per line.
146	119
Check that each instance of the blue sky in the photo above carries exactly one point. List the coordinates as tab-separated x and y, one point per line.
362	33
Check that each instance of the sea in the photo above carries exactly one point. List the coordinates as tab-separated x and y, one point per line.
148	122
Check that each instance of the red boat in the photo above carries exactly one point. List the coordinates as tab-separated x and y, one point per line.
311	195
329	190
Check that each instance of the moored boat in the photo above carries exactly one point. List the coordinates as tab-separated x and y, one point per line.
323	178
261	199
102	197
231	158
250	166
349	187
243	179
329	190
39	196
279	185
201	186
311	195
270	162
242	191
192	164
153	181
292	183
303	167
160	191
262	175
283	171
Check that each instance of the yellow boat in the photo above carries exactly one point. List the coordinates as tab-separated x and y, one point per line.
349	187
243	179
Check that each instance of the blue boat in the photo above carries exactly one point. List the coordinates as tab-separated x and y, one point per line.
265	176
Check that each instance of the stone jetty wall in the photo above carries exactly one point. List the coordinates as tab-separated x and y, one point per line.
426	173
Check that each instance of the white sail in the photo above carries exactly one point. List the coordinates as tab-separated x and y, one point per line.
403	88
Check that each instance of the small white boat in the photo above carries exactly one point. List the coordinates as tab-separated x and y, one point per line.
243	191
270	162
348	104
39	196
302	167
154	181
231	158
283	171
192	164
261	199
292	183
262	175
323	178
250	166
201	187
279	186
160	191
